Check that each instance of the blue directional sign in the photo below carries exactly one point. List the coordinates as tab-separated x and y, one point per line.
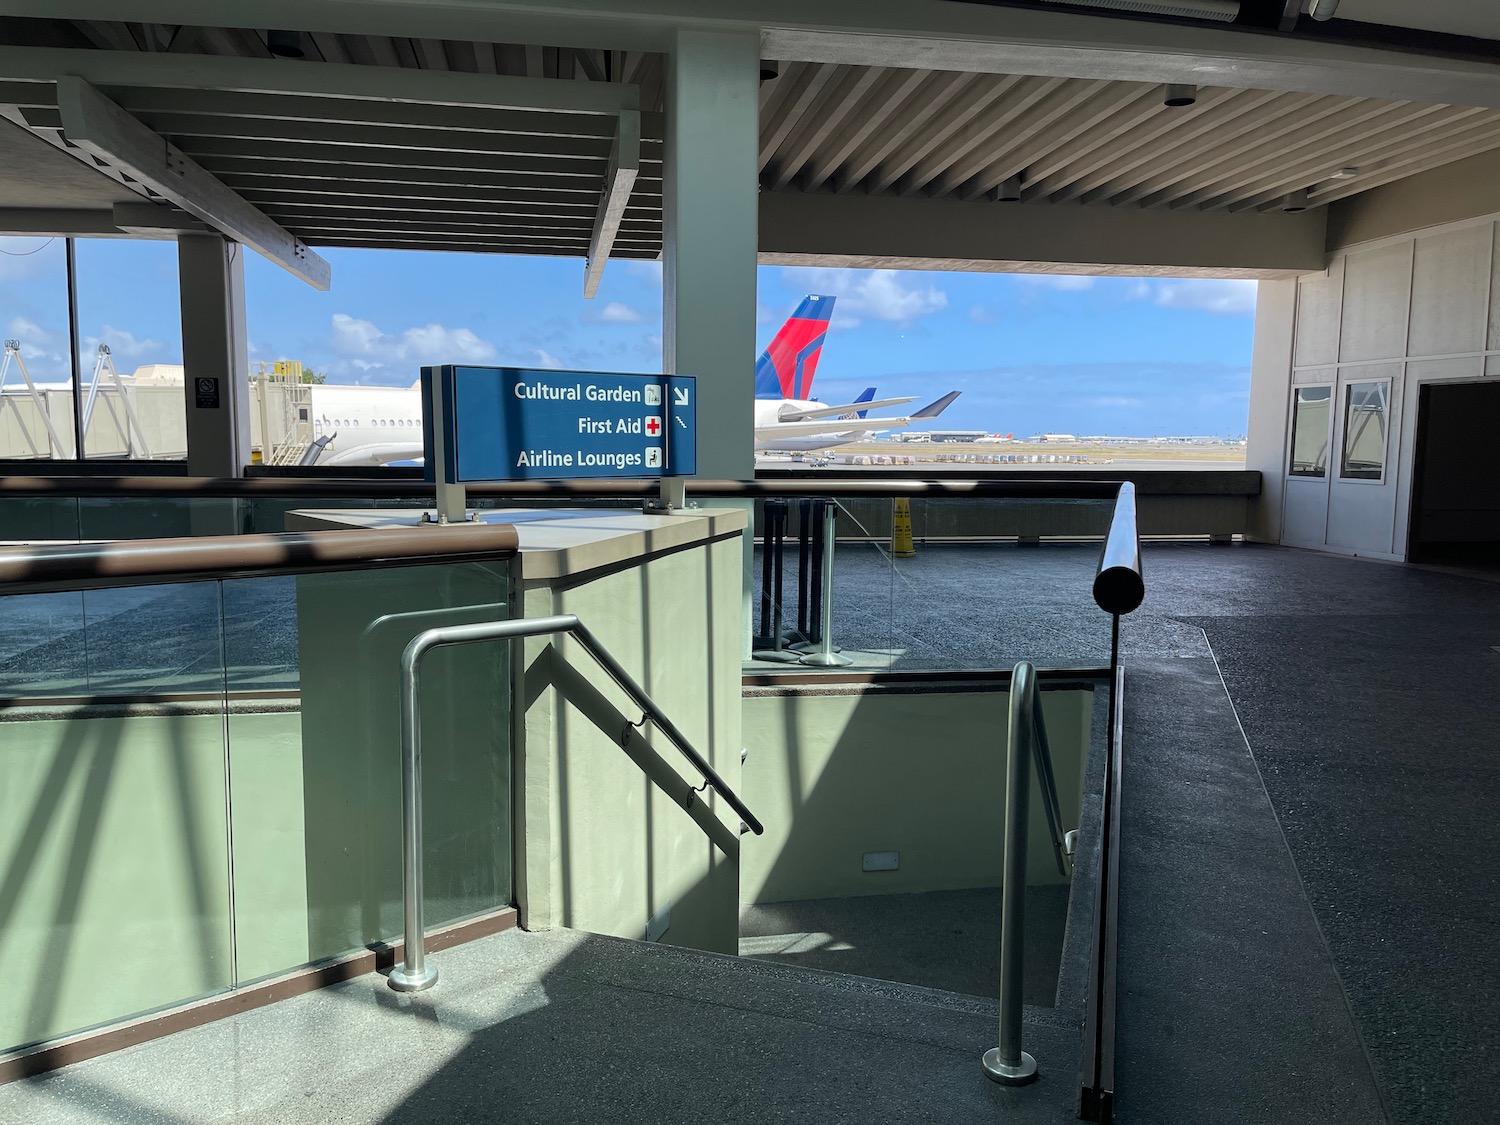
511	423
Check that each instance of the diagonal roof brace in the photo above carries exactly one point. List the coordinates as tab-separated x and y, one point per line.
619	178
101	128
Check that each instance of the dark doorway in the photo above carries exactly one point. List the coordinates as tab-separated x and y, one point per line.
1455	497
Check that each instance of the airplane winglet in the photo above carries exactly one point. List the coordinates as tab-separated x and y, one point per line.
933	409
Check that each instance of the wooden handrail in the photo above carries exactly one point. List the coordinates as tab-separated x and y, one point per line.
135	562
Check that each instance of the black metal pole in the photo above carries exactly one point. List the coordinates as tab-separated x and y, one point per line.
804	545
765	570
776	518
73	342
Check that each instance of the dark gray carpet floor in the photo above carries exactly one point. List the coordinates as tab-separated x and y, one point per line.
1370	697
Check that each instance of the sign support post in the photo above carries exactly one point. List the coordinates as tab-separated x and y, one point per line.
452	497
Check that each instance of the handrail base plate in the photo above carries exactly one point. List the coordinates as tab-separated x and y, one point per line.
1004	1073
403	981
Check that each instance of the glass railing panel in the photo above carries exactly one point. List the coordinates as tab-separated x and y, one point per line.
144	641
312	670
144	729
994	581
153	517
42	650
38	519
114	864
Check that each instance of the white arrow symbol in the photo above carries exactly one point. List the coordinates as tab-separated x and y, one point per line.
679	396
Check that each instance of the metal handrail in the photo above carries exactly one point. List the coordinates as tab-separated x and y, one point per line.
1119	587
414	974
1027	731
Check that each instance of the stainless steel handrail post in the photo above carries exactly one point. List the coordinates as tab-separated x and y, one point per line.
824	656
414	974
1007	1063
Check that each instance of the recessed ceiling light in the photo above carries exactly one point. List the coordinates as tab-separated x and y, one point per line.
285	44
1180	94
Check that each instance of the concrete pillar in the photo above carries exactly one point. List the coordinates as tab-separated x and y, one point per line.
710	228
216	381
1270	397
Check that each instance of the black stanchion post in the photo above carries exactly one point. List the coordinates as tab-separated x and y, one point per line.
770	645
765	572
804	550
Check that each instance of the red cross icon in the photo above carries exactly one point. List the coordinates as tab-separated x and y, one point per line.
653	426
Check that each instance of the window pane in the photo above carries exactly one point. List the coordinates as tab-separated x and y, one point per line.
35	421
130	349
1364	431
1310	431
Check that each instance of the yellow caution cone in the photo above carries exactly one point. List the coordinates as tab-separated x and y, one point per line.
902	546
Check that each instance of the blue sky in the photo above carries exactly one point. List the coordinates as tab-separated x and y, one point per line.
1136	356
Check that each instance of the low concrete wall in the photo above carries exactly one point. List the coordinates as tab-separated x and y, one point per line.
838	772
602	848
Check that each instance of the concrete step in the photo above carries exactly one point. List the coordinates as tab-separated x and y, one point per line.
567	1026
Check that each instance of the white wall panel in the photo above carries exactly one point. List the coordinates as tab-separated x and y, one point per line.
1377	292
1450	292
1304	520
1361	513
1318	298
1304	376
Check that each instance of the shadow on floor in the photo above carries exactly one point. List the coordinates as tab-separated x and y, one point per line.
939	939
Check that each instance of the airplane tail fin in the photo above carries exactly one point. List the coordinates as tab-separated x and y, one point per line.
932	410
786	368
867	395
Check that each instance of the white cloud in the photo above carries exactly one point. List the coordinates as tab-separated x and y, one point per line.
1225	296
1070	282
367	347
545	358
981	315
27	331
124	345
617	312
877	294
45	353
1114	402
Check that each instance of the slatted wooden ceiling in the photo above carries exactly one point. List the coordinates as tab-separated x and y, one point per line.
938	134
341	172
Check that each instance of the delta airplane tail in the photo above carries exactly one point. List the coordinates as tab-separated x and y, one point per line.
785	369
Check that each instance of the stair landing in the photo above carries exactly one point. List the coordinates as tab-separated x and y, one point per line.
567	1026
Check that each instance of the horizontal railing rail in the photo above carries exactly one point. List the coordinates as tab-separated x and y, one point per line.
1019	484
130	562
414	974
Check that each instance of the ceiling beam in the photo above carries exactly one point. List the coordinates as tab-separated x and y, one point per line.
619	179
150	220
887	231
338	80
104	130
896	33
57	222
